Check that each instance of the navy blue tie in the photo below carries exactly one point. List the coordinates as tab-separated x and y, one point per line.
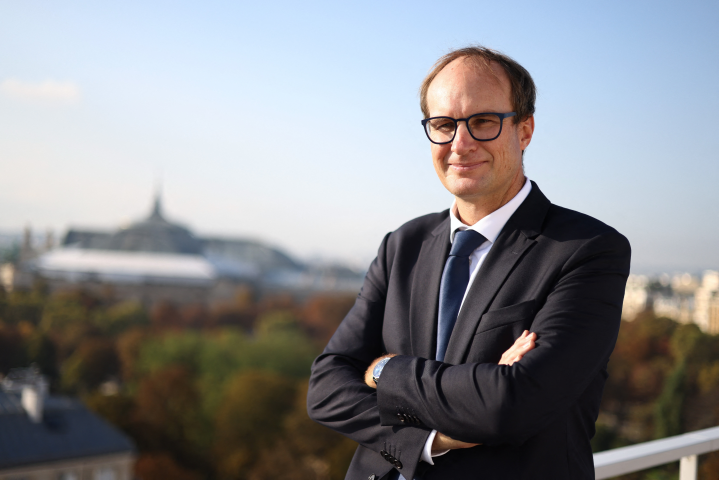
454	283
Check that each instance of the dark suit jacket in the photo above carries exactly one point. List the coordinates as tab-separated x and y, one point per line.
556	272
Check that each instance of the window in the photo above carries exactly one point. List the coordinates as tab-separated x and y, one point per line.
105	473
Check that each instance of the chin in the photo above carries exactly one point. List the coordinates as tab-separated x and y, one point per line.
466	187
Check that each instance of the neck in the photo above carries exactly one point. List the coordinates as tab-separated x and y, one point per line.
472	210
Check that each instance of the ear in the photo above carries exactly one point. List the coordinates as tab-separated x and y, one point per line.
525	130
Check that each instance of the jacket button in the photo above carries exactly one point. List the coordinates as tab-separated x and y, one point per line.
401	417
397	464
372	477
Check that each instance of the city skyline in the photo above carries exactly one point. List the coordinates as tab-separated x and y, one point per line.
299	125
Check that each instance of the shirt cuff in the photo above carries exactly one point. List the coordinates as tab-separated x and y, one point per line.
427	451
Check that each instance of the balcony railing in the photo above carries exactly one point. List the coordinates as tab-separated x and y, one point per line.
684	448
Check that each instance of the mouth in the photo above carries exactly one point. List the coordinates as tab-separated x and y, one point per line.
466	167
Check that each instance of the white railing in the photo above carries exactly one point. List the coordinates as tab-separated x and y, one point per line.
684	448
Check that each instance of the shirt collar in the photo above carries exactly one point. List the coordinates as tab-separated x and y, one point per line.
490	226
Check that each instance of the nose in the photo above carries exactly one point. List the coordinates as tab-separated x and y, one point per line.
463	141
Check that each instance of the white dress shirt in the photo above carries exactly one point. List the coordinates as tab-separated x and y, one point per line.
489	227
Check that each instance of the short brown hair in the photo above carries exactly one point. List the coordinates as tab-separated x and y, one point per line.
524	92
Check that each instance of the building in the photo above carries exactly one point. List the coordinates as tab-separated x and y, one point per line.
636	297
157	260
43	437
706	303
684	298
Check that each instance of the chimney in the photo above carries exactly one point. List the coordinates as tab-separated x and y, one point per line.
33	399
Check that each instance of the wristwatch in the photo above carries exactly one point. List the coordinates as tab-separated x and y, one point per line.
378	369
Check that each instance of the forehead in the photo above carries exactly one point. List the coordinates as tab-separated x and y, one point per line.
465	87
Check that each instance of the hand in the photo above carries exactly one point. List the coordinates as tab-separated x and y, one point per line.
368	374
521	346
442	443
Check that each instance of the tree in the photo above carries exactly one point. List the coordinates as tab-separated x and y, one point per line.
41	350
166	315
12	351
250	418
322	314
129	345
668	408
161	466
23	306
168	410
121	317
314	443
94	361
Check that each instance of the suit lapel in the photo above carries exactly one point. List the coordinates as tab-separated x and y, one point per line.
425	292
516	237
494	270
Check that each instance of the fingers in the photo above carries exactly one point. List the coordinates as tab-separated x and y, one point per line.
443	442
521	346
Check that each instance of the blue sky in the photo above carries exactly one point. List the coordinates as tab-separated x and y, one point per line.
298	123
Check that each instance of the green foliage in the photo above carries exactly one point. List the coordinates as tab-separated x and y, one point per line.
62	314
277	322
41	351
181	348
684	343
199	400
168	402
215	357
668	408
92	363
21	306
121	317
250	418
117	409
663	381
204	401
12	351
708	377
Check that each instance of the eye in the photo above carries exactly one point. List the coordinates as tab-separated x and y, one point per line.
484	122
442	125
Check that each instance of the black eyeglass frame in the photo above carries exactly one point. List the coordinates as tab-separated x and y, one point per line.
456	121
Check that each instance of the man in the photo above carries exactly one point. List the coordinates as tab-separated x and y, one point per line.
416	372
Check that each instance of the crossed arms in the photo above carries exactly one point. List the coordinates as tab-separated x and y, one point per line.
442	442
474	403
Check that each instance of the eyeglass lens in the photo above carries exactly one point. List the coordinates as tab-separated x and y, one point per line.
482	127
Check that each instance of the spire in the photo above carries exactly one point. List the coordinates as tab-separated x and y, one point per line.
157	206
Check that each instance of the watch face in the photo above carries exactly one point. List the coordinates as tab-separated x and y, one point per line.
378	369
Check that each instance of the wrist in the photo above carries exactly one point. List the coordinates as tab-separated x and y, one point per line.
376	368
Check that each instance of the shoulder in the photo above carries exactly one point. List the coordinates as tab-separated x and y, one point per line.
400	248
575	229
422	226
418	229
564	220
408	238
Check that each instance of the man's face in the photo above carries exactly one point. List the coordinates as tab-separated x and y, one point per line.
469	169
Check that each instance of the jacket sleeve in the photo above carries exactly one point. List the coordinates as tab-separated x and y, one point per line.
338	397
486	403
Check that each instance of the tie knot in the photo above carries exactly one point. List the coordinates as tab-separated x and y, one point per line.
465	242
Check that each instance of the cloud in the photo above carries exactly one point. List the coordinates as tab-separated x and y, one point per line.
48	91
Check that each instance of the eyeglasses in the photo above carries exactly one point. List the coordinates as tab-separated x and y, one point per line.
483	127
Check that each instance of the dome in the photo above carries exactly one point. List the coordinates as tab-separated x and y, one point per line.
155	234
